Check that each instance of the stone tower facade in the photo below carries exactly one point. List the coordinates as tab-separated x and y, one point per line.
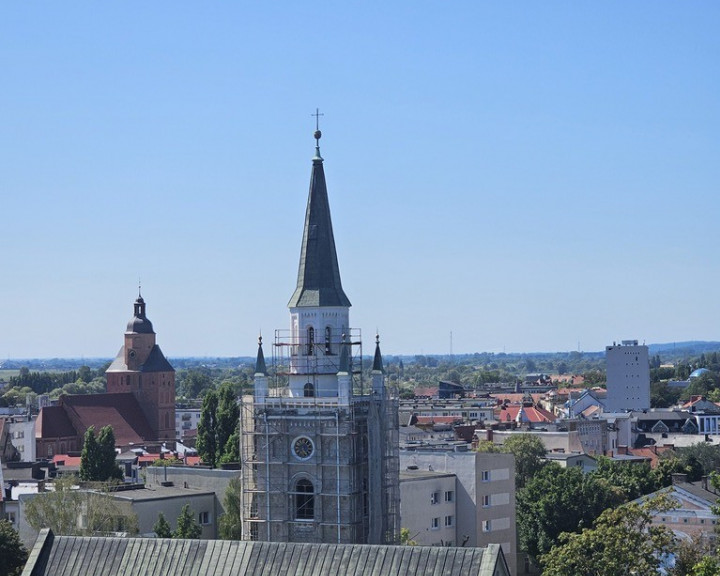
318	443
142	369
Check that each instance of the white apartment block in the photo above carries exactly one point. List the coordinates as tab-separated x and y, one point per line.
484	497
628	377
186	419
427	507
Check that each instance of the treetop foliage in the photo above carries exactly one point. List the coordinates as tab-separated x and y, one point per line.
13	553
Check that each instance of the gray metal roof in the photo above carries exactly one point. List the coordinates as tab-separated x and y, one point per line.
156	362
318	282
139	323
82	556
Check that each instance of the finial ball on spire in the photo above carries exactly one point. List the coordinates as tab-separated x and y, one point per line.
318	135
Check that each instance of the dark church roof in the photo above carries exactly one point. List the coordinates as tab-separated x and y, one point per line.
76	556
156	362
121	411
318	281
53	422
139	323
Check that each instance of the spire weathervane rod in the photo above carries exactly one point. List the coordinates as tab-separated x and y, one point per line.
317	118
317	134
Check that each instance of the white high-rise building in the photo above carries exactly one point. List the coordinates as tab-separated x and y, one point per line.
628	377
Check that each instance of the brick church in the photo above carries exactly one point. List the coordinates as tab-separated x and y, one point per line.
139	403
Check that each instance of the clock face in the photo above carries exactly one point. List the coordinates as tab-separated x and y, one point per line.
303	448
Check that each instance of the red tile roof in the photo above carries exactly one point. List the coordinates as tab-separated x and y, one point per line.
53	422
529	414
121	411
65	460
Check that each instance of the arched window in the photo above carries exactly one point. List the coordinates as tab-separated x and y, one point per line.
310	340
328	335
304	500
309	390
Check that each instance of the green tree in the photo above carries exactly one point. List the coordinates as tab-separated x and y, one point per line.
187	528
90	456
219	427
622	541
406	538
529	452
161	527
707	455
558	500
69	511
194	383
13	553
207	430
634	479
97	460
228	425
708	566
231	521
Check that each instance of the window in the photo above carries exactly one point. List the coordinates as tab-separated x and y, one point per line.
49	450
486	475
310	340
449	496
486	526
435	524
254	531
328	336
10	517
434	497
309	390
204	518
304	500
486	501
449	521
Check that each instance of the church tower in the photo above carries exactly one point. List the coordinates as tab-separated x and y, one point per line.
319	446
141	368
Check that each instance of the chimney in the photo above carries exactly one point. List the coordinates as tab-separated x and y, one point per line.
679	478
622	450
705	482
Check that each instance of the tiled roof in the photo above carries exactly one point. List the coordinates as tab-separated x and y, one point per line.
121	411
529	414
76	556
68	461
53	422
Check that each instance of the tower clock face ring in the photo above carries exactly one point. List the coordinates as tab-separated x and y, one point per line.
303	448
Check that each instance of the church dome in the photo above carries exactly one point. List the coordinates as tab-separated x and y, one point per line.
698	372
139	323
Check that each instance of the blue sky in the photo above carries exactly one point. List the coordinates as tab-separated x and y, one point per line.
530	176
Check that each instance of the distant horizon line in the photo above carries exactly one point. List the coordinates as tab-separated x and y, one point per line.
681	345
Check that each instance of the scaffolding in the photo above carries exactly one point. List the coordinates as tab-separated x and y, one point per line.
352	466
